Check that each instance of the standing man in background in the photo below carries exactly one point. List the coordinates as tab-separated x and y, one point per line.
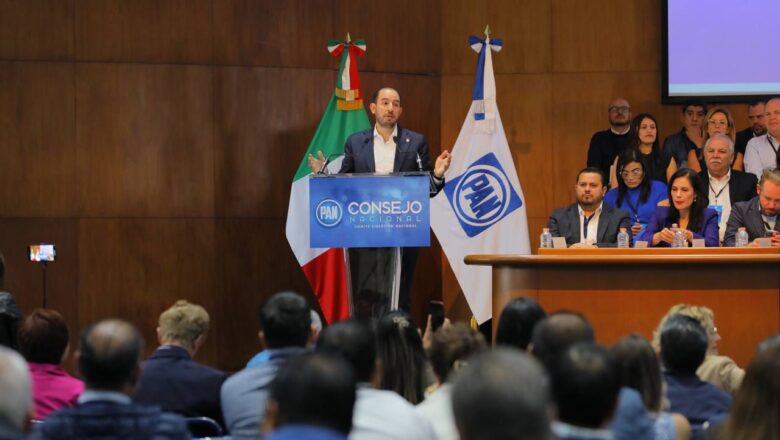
690	137
757	118
606	145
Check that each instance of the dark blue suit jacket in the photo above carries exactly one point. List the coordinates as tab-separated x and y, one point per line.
110	420
565	222
359	154
173	381
709	229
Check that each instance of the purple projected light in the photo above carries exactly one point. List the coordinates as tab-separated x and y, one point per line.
723	47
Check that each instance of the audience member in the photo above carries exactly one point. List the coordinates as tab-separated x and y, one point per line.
644	138
399	348
450	350
725	186
502	394
10	313
639	369
555	333
758	215
757	119
605	145
769	342
585	390
108	359
761	151
756	410
636	193
16	404
378	414
517	321
718	370
589	222
678	145
683	347
170	378
687	209
717	121
286	329
43	341
316	328
311	398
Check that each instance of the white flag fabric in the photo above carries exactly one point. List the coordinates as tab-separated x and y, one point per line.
482	208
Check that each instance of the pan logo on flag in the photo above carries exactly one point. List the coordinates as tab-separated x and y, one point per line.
482	195
328	213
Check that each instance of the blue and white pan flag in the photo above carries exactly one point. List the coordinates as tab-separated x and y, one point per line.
482	208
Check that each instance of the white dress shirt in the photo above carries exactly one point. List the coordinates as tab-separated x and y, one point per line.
593	225
719	196
761	154
384	152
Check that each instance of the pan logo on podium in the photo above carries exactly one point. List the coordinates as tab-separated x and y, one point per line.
482	195
328	213
369	211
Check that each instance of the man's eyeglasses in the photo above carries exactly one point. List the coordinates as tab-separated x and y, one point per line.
621	109
633	173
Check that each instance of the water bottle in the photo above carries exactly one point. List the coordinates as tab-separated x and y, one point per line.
546	238
622	238
742	237
679	237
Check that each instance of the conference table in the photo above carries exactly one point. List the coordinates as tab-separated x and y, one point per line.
629	290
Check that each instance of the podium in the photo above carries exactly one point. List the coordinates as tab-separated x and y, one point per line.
371	216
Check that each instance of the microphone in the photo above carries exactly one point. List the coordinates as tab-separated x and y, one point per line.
327	162
419	162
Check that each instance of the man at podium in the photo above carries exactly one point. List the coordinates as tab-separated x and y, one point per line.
388	148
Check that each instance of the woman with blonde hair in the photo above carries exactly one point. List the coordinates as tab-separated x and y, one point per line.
718	370
718	120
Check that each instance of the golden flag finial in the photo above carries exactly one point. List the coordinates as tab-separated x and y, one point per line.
487	31
349	40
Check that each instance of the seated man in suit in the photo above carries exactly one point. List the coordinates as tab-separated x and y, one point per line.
758	215
108	359
725	186
170	378
388	148
589	222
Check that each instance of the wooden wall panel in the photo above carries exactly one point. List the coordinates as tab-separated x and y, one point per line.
155	31
522	25
36	30
274	34
253	261
265	119
402	36
135	269
25	278
37	139
606	36
145	140
580	104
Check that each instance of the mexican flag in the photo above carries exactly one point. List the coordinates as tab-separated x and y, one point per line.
325	268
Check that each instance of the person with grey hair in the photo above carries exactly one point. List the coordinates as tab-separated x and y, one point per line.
502	394
725	186
758	215
16	404
761	151
108	359
170	377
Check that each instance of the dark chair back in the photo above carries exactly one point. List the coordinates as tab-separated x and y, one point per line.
203	427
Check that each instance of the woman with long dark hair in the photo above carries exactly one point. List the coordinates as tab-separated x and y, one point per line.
687	209
517	321
404	364
636	193
644	137
639	369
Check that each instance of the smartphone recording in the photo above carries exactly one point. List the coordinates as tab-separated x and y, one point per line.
42	252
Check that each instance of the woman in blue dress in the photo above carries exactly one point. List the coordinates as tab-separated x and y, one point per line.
636	192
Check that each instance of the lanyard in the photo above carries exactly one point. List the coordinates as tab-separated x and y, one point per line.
712	190
585	221
634	206
771	144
